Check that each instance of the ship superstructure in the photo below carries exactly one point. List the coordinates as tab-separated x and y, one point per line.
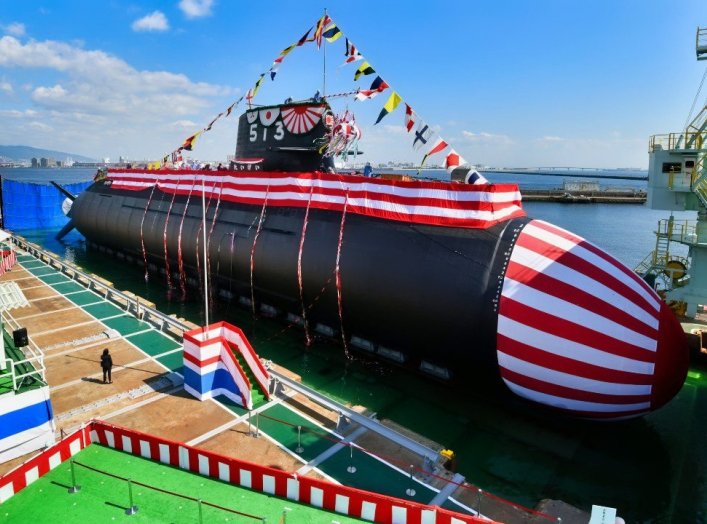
677	181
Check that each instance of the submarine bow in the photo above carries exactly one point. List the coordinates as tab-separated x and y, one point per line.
581	332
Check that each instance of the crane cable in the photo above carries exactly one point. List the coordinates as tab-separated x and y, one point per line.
694	102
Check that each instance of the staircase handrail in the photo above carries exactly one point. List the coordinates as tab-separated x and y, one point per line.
227	333
235	336
246	395
646	263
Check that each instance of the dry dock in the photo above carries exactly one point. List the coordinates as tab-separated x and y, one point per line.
72	317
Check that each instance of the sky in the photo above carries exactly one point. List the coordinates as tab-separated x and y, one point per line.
560	83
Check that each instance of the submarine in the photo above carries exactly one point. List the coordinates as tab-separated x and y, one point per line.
448	277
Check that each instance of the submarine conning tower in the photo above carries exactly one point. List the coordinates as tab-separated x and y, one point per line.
283	137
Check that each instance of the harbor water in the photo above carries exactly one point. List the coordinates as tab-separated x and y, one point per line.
652	469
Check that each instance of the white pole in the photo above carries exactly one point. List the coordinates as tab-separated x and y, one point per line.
206	276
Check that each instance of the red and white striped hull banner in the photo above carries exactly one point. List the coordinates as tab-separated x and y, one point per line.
434	203
581	332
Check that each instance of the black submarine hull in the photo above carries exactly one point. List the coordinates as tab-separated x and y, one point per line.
558	320
421	292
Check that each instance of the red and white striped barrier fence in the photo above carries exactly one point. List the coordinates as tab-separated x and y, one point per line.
9	259
41	464
319	493
346	500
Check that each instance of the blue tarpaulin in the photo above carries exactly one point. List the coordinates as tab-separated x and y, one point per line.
35	206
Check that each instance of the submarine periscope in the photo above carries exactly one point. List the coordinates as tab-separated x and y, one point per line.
451	276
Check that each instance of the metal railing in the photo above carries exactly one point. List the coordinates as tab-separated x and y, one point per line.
129	302
672	141
367	422
683	231
34	358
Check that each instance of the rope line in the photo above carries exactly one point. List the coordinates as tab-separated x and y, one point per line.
338	276
168	270
252	249
142	237
180	258
307	336
167	492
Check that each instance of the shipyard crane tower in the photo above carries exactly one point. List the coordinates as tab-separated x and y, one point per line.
677	181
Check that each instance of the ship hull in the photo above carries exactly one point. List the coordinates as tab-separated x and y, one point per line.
448	278
424	292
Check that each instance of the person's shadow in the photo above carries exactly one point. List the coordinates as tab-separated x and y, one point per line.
92	379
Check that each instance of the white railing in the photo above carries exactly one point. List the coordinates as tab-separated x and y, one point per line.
34	357
131	304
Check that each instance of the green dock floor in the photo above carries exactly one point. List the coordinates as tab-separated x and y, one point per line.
105	499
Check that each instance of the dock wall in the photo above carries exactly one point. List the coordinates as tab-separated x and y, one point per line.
595	197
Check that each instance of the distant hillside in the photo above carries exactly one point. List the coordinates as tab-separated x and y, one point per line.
26	153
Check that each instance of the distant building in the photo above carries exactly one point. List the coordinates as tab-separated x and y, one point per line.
49	162
35	162
581	185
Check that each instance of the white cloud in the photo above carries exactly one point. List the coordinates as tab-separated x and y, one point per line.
396	130
15	28
39	126
6	87
14	113
155	21
196	8
487	138
184	124
103	103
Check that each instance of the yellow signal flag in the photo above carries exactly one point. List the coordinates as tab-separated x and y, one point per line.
332	33
393	101
257	84
364	69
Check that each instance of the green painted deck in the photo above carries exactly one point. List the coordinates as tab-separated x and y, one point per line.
102	310
126	324
105	499
82	298
53	278
153	343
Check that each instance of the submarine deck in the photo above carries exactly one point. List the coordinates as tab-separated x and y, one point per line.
72	323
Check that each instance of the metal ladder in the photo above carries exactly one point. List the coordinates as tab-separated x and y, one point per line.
699	186
656	260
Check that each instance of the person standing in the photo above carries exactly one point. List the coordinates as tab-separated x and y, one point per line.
107	365
368	170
